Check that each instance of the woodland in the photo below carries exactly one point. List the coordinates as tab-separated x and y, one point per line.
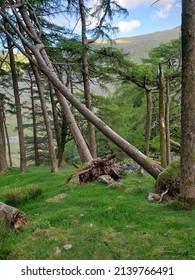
87	115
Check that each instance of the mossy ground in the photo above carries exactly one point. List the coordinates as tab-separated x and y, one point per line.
99	223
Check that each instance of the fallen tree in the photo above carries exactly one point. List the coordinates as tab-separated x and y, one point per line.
94	170
29	32
13	216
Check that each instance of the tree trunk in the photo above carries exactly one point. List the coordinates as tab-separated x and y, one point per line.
83	150
163	152
35	140
64	130
3	161
13	216
148	125
86	83
55	118
23	167
53	160
7	140
167	125
188	101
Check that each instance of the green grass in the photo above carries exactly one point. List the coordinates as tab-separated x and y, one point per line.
98	222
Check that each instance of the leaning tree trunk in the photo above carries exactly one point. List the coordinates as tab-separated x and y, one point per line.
188	101
13	216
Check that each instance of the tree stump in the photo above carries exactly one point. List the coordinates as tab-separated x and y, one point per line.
91	171
169	180
99	167
13	216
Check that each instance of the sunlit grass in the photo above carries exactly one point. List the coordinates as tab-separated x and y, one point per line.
98	223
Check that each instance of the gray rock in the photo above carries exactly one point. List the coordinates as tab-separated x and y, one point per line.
153	197
109	181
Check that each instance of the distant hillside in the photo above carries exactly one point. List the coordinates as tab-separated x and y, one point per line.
139	46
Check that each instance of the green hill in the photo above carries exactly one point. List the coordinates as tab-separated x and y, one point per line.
139	46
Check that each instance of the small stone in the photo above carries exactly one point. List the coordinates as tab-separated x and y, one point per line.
153	197
82	215
57	251
67	246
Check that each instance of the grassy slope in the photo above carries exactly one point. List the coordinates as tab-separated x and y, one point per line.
139	46
98	222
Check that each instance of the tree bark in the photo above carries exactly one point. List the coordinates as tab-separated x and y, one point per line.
83	150
86	83
148	125
55	118
7	140
13	216
167	124
23	167
35	140
163	152
188	101
3	160
53	160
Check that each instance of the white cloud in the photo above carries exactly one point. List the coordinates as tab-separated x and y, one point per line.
130	4
128	26
162	12
134	3
166	8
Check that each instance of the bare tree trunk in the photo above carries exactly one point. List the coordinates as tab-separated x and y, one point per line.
85	69
148	125
35	140
163	152
53	160
167	125
3	161
64	129
23	167
7	139
55	118
83	150
188	101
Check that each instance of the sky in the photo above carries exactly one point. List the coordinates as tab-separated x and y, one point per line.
143	18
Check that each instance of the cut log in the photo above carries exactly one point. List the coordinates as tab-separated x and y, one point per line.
99	167
13	216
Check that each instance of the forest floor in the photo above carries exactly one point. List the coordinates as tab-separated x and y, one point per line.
93	222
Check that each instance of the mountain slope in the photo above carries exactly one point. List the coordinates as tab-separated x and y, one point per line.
139	46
